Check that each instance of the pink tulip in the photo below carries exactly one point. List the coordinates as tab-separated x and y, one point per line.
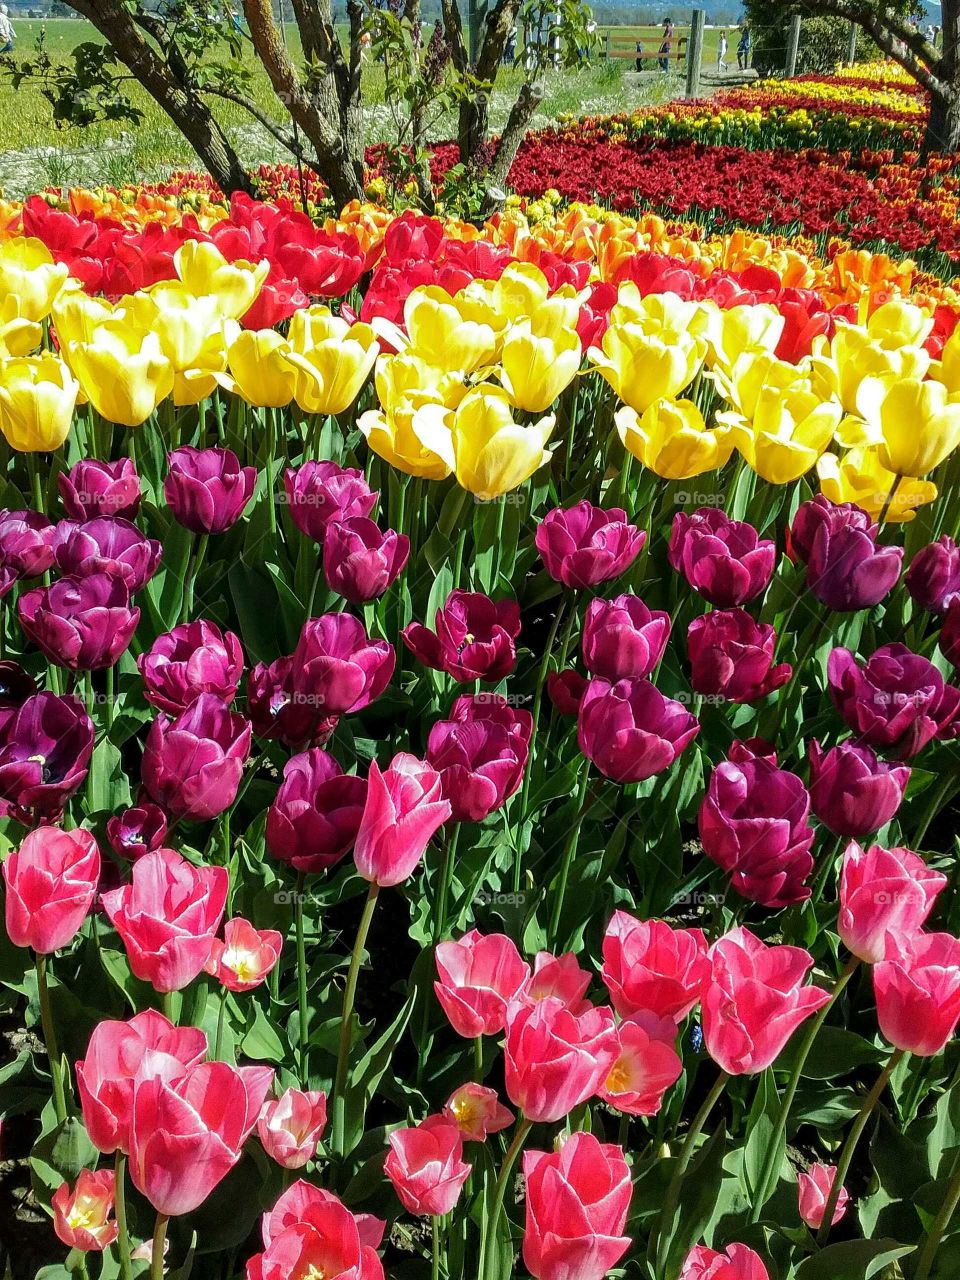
168	917
187	1134
479	976
577	1199
245	956
403	809
290	1128
649	965
311	1230
426	1166
646	1066
918	993
754	1000
737	1262
81	1214
295	1206
477	1112
885	897
814	1191
555	1059
51	882
559	976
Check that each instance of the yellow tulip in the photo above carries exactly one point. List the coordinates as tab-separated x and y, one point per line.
643	368
260	371
753	374
736	331
37	398
898	323
183	323
312	325
536	370
18	335
917	422
414	438
440	331
408	378
29	273
858	476
493	454
123	372
790	430
206	273
673	440
76	316
856	356
331	373
663	315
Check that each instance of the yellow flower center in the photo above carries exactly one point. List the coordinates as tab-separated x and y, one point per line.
619	1077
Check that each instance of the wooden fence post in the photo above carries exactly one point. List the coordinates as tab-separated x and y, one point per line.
852	44
793	46
695	52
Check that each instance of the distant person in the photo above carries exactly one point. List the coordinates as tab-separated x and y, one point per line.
510	48
7	33
743	48
722	53
236	21
666	46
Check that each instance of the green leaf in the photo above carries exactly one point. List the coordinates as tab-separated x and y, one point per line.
760	1127
263	1042
852	1260
367	1073
59	1156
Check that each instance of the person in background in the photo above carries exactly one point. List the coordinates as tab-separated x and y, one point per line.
722	53
666	46
7	33
510	48
743	48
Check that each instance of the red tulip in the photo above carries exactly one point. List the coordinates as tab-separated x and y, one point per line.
479	976
311	1232
316	813
649	966
814	1189
555	1059
51	882
885	897
81	1213
426	1166
918	993
477	1112
245	956
473	640
646	1066
403	809
290	1128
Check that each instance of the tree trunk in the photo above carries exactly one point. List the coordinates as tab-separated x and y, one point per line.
529	98
943	124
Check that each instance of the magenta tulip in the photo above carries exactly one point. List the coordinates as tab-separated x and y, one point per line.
360	560
316	813
192	764
337	667
725	560
852	791
584	545
207	489
93	488
320	493
630	730
474	637
622	638
83	624
731	656
403	809
194	658
104	545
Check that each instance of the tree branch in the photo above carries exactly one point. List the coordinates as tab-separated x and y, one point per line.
887	29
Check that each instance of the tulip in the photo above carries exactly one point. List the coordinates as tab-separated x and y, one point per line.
37	398
630	730
731	656
121	1053
885	897
436	322
336	666
51	882
316	814
577	1201
207	489
192	763
106	545
917	423
291	1127
245	957
479	976
672	438
754	1000
426	1166
858	477
847	570
332	361
402	811
650	967
814	1189
566	690
16	686
92	488
737	1262
321	493
194	658
122	371
536	369
492	453
831	517
315	1228
584	545
643	366
83	624
81	1213
950	635
493	708
206	273
44	754
260	371
725	560
473	640
933	578
187	1134
557	976
622	638
134	832
753	823
26	543
190	331
480	764
477	1112
413	437
917	989
852	792
28	270
360	560
646	1066
277	710
556	1059
897	701
168	917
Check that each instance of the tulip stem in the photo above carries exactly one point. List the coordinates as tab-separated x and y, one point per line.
193	572
50	1039
850	1145
435	1267
584	803
349	995
661	1239
221	1016
123	1238
940	795
302	982
488	1243
478	1058
169	1007
159	1242
939	1224
768	1173
884	510
823	875
446	877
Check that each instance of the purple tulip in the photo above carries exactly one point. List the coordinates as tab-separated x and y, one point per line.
493	708
315	816
731	656
93	488
16	686
623	639
474	637
566	689
753	824
724	560
480	764
279	712
630	730
896	702
819	511
319	493
360	560
194	658
950	635
337	667
583	545
854	793
137	831
933	578
192	764
44	754
80	623
207	489
26	546
106	545
847	569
